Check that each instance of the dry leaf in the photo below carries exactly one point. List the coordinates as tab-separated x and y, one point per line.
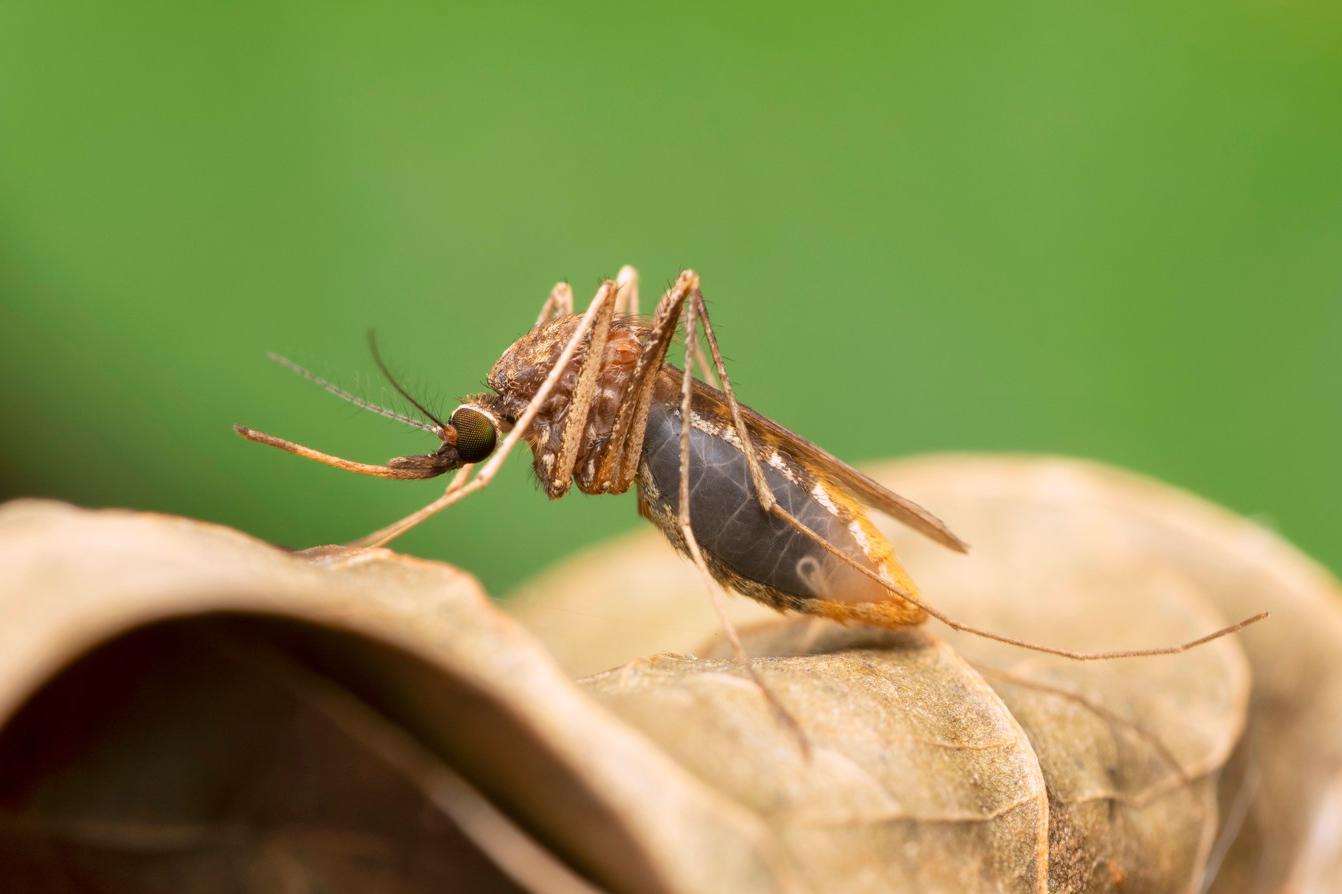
919	778
187	709
1282	794
1075	555
1131	749
183	708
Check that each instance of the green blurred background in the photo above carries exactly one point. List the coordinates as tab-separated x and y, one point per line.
1109	230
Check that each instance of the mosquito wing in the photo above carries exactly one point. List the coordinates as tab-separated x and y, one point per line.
768	437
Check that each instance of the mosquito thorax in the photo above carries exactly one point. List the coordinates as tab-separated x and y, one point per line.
518	374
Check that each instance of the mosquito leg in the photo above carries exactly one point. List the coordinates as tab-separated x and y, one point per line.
559	304
387	534
770	504
699	310
700	364
950	622
580	405
626	299
914	612
766	496
600	305
692	545
617	465
700	361
627	303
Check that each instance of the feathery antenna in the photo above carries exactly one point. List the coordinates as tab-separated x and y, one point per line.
361	403
377	358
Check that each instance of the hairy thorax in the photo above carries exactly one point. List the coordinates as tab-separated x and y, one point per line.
518	374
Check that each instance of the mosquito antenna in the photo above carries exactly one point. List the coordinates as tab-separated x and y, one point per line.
382	366
361	403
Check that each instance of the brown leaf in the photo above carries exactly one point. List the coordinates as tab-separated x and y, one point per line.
914	757
1131	749
629	597
1282	794
1066	554
186	709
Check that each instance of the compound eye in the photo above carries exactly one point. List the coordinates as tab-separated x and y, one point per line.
476	434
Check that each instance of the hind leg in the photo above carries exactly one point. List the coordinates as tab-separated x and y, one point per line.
685	525
559	304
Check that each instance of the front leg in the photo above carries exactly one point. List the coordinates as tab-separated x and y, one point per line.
560	470
599	309
617	464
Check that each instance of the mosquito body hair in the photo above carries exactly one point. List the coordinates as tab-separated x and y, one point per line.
361	403
382	367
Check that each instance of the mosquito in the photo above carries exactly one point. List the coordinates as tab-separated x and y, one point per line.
757	508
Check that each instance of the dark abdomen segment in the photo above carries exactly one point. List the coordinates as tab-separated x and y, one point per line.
739	536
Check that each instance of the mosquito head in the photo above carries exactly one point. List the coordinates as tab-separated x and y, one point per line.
473	431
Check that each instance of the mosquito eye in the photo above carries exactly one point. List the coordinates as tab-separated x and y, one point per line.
475	434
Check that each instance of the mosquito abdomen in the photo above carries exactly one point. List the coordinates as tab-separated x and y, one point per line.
738	533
